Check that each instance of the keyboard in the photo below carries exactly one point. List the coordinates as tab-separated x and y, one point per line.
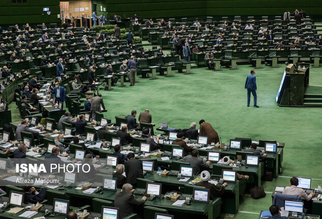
139	191
173	173
308	191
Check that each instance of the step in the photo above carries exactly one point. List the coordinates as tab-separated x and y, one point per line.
313	100
312	95
306	104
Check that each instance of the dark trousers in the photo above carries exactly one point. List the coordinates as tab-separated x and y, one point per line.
248	96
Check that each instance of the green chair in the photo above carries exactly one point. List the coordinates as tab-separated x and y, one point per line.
52	194
66	125
217	169
188	189
137	141
131	216
28	136
53	121
74	147
216	208
88	129
146	125
149	211
98	203
99	115
243	154
46	140
13	188
176	165
56	114
141	182
169	147
120	119
109	135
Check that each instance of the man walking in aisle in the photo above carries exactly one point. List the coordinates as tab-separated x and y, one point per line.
251	87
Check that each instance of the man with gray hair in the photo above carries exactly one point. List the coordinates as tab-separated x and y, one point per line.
145	117
118	175
66	118
59	143
126	202
192	132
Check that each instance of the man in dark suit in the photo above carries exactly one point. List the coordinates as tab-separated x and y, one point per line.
91	78
215	190
80	125
5	72
124	135
269	36
87	104
129	37
60	67
196	163
34	98
150	140
65	118
33	82
26	92
20	152
179	141
133	169
117	31
131	120
118	175
207	130
126	202
33	196
121	158
275	212
97	101
251	87
192	132
60	95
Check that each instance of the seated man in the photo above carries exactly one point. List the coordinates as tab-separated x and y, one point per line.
153	145
20	152
90	174
192	132
34	98
124	135
26	92
28	106
65	118
23	126
195	162
33	196
75	85
294	190
215	190
207	130
80	125
145	117
5	72
133	169
253	149
275	212
126	202
179	141
118	175
121	158
131	120
59	143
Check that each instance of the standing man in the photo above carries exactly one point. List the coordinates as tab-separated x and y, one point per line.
94	18
186	52
60	95
117	31
251	87
208	131
286	16
103	19
132	67
96	105
60	67
129	37
133	169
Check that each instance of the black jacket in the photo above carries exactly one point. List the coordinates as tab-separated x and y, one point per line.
191	134
133	170
131	122
80	127
126	203
125	137
33	198
120	179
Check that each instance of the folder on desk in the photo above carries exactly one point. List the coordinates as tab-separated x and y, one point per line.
15	210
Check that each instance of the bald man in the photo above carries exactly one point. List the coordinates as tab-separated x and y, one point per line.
145	117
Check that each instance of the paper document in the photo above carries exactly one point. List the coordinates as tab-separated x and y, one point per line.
65	159
28	214
15	210
33	154
97	165
52	187
68	136
165	158
78	188
96	146
54	135
6	145
213	182
184	179
98	127
89	191
279	189
126	152
178	203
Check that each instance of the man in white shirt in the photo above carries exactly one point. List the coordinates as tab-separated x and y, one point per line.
294	190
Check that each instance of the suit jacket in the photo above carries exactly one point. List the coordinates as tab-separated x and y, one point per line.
117	32
269	37
96	103
33	83
19	154
153	144
191	134
80	127
250	83
20	128
87	105
196	163
27	93
52	159
126	203
60	145
131	122
94	16
129	37
183	144
90	77
215	190
34	99
120	179
59	69
286	16
133	170
33	198
121	158
62	93
125	137
145	117
64	119
186	51
5	73
207	130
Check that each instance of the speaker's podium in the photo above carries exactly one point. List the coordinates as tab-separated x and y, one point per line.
293	85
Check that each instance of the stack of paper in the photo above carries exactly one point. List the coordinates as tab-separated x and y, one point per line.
33	154
28	214
98	127
184	179
165	158
89	191
51	187
178	203
97	146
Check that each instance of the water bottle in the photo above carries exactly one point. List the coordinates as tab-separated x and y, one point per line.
98	140
90	140
143	153
90	89
159	171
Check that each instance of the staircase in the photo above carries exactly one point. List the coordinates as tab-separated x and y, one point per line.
312	100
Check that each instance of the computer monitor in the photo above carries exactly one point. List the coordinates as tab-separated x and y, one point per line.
16	198
33	121
86	117
61	206
213	156
186	171
5	136
111	161
68	131
110	212
153	189
229	175
123	124
50	148
203	140
261	143
270	147
103	122
235	144
145	147
79	154
163	216
49	126
252	160
294	206
177	152
201	195
304	183
164	125
70	177
3	164
147	166
26	142
109	183
172	136
45	9
90	136
244	142
115	141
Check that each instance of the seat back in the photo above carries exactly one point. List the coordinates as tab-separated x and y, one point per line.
147	125
98	203
279	199
137	141
149	212
217	169
66	125
28	136
74	147
52	194
13	188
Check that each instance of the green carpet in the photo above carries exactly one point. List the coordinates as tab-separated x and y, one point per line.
220	98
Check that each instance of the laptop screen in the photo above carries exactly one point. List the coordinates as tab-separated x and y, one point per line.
304	183
202	140
3	164
172	136
109	213
86	117
49	126
186	171
68	131
5	137
111	161
79	155
201	195
70	177
153	189
147	166
50	147
229	175
294	206
213	156
90	136
177	152
163	216
145	147
61	206
26	142
16	198
235	144
109	184
252	160
115	141
270	147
